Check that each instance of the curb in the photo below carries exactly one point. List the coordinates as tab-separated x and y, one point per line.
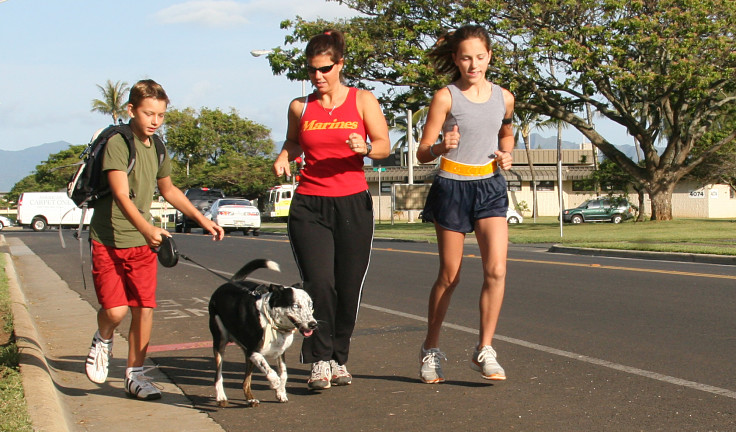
44	406
648	255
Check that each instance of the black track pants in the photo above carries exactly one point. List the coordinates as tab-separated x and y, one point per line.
331	238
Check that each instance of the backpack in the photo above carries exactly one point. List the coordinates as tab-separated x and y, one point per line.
84	187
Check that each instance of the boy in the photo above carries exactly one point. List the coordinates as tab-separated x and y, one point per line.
124	266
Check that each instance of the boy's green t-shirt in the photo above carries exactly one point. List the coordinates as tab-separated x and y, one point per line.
109	226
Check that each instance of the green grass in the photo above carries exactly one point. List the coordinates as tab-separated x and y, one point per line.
710	236
13	413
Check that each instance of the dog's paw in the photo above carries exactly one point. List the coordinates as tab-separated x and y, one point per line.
281	396
252	403
273	380
222	403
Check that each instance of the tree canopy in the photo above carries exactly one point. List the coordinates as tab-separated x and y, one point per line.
223	150
662	69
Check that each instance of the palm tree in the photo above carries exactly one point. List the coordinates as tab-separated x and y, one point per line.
113	100
400	125
526	121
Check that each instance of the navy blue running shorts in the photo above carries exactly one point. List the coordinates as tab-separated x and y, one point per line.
456	205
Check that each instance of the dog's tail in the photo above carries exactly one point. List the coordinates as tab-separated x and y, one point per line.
253	266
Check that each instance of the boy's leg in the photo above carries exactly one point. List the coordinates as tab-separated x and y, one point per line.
141	325
109	319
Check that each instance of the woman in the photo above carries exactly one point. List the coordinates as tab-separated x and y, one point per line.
469	194
331	216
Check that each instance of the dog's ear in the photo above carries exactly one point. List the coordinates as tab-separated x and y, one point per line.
276	289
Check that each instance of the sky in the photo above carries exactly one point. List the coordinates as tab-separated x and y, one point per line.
54	53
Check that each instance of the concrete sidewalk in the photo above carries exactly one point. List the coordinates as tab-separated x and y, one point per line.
53	329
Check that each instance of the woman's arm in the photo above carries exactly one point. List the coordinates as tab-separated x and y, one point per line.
375	125
291	148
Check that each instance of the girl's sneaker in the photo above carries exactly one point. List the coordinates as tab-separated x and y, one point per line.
484	361
431	370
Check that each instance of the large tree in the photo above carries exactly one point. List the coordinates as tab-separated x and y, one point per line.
222	150
114	100
662	69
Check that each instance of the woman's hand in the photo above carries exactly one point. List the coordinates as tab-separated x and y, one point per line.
281	165
357	144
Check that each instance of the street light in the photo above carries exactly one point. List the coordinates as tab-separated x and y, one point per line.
188	156
262	52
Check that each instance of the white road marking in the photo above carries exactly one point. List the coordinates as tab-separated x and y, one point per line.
592	360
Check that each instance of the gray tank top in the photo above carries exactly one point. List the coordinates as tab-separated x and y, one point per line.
478	124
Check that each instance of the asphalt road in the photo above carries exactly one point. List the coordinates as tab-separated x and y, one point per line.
588	343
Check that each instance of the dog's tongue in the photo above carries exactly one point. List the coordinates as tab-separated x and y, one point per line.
307	333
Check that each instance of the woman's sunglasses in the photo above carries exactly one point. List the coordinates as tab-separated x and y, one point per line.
324	69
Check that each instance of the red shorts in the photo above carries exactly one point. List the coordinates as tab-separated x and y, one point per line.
124	276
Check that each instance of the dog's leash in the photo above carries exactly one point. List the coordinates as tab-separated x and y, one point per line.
168	256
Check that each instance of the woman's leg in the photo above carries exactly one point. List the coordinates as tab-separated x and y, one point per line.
450	247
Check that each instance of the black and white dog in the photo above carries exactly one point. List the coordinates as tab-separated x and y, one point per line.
262	320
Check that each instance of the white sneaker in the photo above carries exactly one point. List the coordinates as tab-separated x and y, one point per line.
340	374
431	370
98	359
321	376
484	361
139	385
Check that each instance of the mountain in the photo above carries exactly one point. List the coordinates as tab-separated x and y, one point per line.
20	163
550	143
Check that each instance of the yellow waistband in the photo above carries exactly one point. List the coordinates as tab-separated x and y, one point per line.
462	169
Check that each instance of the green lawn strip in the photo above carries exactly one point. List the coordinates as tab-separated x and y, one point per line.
712	236
13	412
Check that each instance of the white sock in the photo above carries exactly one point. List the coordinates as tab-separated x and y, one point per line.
130	370
107	341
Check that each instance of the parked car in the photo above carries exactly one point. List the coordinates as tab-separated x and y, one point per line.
5	222
599	210
235	214
202	199
512	216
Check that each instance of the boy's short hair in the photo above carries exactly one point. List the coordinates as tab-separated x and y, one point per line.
146	89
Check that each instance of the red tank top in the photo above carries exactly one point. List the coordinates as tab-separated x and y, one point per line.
331	167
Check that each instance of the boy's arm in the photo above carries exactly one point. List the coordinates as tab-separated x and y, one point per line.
176	197
120	189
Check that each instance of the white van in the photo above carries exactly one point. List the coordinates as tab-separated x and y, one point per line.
38	210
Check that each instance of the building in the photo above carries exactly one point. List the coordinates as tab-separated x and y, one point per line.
689	199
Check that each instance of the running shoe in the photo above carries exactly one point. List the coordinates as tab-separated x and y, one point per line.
431	369
321	376
484	361
98	359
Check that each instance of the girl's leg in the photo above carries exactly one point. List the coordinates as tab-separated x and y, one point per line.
493	238
450	247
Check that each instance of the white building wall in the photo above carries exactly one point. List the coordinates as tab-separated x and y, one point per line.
689	200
